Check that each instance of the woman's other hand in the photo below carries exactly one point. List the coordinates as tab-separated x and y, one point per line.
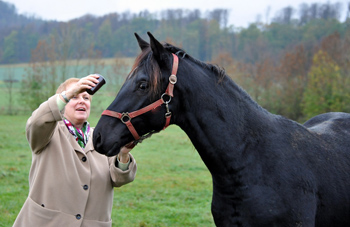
124	152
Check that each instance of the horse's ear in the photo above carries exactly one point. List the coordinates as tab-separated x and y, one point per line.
142	43
157	48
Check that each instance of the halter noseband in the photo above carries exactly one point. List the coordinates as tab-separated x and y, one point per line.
126	117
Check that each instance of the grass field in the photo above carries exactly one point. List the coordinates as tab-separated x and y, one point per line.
172	186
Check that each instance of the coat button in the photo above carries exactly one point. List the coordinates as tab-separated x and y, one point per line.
84	159
86	187
78	216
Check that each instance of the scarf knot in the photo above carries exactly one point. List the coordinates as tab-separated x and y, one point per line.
81	135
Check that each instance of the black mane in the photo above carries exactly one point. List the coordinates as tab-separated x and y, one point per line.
219	71
146	62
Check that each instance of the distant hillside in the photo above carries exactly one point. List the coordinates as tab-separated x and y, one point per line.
204	35
9	17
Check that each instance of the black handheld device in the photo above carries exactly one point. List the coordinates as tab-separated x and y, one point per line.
101	82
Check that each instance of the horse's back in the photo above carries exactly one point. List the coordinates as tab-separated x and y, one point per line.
333	124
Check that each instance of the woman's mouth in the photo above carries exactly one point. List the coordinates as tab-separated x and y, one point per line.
81	109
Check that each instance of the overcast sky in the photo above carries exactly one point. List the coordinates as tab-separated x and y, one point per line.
242	12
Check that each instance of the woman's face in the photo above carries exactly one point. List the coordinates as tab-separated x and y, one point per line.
77	110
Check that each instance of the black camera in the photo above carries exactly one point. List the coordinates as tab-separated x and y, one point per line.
101	82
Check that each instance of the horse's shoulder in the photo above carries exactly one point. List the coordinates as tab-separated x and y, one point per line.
329	122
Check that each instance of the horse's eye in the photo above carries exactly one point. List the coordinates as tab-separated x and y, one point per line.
143	86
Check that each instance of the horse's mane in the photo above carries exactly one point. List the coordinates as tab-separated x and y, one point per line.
218	71
145	61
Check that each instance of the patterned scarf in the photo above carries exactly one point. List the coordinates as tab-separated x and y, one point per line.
81	135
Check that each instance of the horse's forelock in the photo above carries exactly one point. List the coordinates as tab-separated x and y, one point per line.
144	61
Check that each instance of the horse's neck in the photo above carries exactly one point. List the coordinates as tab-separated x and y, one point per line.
222	121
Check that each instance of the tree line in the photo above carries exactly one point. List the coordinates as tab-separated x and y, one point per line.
297	65
303	82
202	34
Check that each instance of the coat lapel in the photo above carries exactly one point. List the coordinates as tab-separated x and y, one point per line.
89	146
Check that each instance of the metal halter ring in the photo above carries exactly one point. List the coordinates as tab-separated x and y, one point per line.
173	79
162	97
125	115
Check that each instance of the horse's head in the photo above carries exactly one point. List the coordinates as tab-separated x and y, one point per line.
143	105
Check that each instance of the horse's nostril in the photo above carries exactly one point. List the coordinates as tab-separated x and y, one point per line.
98	145
97	140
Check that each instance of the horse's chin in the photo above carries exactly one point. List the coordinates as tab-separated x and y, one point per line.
111	153
114	150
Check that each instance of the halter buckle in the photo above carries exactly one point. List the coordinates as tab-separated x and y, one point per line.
125	115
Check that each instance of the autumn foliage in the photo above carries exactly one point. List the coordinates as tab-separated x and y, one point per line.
302	83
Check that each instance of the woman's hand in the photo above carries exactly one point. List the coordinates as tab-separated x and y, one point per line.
124	152
82	85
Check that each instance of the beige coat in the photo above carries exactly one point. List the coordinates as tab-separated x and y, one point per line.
68	185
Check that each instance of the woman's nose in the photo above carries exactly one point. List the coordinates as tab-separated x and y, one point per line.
81	100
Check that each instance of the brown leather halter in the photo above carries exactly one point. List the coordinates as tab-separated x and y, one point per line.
126	117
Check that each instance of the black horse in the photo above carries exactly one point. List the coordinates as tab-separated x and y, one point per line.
266	170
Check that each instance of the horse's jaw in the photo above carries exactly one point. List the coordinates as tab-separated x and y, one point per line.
101	147
109	141
114	150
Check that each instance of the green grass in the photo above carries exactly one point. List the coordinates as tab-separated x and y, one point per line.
172	186
15	161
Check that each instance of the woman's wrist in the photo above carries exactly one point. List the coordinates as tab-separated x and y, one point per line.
60	102
124	158
64	97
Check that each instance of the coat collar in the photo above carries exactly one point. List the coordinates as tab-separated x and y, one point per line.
89	146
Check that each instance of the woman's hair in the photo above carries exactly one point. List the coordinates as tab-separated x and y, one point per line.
66	83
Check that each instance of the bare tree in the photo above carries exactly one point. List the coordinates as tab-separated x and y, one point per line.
304	14
118	72
52	62
220	15
267	14
314	8
285	16
9	81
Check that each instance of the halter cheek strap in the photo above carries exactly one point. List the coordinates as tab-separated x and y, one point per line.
126	117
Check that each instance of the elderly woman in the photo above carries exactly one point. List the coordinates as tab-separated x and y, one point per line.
70	183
